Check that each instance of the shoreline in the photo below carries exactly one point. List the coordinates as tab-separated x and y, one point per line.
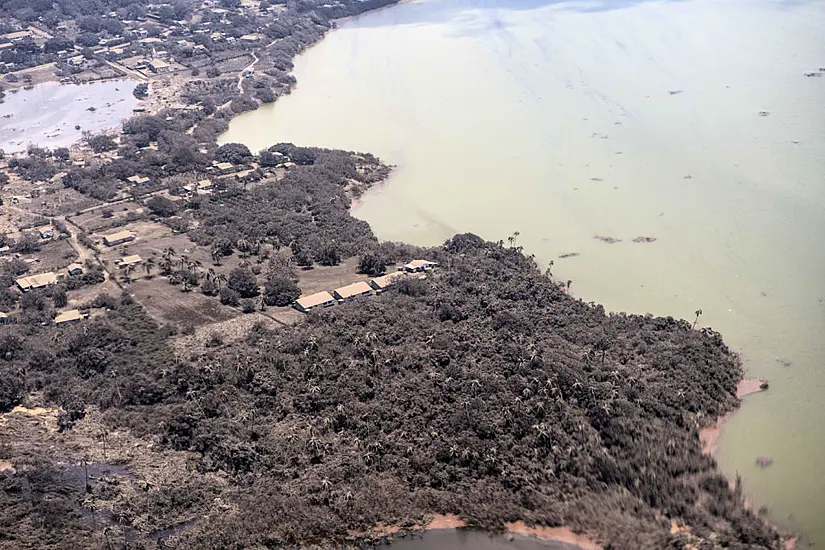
452	522
709	438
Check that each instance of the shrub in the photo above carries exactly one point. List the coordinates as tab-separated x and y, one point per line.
229	297
280	291
371	264
243	282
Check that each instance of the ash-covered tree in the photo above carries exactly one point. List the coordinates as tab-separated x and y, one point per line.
329	255
371	264
235	153
243	282
161	206
229	297
280	291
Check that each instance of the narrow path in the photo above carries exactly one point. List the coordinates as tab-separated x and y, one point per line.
247	68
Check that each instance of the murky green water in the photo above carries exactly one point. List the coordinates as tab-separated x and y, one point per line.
564	121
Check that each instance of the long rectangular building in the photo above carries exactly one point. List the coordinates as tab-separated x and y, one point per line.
33	282
319	299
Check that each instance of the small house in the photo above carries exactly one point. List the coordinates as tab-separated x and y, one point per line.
419	266
75	269
33	282
352	291
380	284
205	185
4	318
4	250
159	66
319	299
225	167
46	232
138	180
132	260
67	317
118	238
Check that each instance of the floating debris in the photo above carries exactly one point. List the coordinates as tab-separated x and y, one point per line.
608	240
784	362
570	255
763	461
764	113
675	92
815	74
644	240
688	177
596	179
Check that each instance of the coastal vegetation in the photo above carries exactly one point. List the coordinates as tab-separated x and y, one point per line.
483	390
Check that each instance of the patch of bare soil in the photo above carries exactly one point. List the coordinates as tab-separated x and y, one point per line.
222	332
168	304
328	278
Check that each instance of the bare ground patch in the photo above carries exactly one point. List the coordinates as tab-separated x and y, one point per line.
168	304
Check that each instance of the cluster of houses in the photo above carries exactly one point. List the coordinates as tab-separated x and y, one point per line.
361	288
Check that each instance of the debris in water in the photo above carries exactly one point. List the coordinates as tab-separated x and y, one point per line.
596	179
763	461
644	239
816	74
784	362
570	255
608	240
688	177
675	92
764	113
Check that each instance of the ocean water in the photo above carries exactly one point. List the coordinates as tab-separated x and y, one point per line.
690	122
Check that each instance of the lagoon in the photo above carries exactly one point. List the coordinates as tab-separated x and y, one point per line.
47	114
691	122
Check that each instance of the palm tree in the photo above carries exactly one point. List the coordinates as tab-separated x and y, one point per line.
148	265
216	255
195	266
698	313
183	261
243	246
220	278
127	273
